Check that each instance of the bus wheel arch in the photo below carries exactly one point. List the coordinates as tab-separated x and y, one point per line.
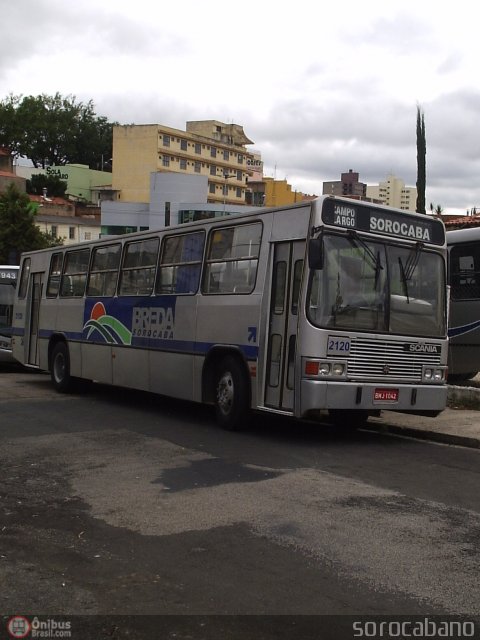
226	384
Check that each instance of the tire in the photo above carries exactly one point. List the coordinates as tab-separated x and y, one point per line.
60	368
231	395
349	419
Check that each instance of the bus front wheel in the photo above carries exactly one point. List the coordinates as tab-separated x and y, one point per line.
60	368
231	394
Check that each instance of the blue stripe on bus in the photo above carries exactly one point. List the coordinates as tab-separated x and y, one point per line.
178	346
466	328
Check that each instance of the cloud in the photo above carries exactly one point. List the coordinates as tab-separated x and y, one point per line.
318	96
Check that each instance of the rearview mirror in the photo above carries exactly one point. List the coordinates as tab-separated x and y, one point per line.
315	253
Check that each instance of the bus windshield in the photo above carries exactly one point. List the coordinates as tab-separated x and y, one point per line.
373	286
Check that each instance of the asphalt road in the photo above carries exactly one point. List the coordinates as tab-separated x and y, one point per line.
117	503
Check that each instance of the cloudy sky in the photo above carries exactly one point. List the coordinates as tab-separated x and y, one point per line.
320	88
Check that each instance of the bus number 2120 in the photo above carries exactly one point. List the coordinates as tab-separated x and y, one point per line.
338	346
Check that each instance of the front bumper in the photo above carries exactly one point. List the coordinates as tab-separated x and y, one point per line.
320	394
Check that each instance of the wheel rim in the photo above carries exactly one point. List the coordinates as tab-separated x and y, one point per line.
59	367
225	393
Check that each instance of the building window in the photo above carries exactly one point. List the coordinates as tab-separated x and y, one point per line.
213	152
166	161
183	163
198	147
240	175
211	187
54	230
213	170
239	192
183	145
166	140
226	155
88	235
198	167
240	158
71	233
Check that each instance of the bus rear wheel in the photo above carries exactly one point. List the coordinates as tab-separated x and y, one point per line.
231	394
60	368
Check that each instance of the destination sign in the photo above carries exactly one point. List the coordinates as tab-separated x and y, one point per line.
8	275
381	221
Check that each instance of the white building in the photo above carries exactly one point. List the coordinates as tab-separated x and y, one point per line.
394	193
174	198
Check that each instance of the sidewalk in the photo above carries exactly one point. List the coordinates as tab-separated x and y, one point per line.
459	424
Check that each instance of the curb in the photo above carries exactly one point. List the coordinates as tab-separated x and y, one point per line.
424	434
468	397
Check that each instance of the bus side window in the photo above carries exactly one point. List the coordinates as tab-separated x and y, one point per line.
232	259
103	276
22	289
180	263
138	269
74	277
465	272
54	275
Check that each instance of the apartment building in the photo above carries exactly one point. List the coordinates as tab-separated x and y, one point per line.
348	185
394	193
207	148
391	192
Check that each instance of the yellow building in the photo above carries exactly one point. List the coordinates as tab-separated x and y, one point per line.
269	192
207	147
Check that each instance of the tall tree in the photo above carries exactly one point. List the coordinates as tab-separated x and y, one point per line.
421	161
55	130
18	231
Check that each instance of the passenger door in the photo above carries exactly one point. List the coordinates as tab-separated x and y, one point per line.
33	312
282	335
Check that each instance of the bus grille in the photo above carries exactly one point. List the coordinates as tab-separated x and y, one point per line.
387	361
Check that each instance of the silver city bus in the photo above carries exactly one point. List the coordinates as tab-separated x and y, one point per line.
331	305
464	322
8	281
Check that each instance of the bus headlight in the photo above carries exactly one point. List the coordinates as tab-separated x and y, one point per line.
324	369
338	369
437	374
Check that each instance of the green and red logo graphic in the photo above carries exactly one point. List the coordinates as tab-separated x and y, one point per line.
101	324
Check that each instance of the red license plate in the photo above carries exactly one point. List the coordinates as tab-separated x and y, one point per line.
385	395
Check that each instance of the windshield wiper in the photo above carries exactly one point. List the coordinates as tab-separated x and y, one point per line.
412	260
404	278
356	240
407	271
